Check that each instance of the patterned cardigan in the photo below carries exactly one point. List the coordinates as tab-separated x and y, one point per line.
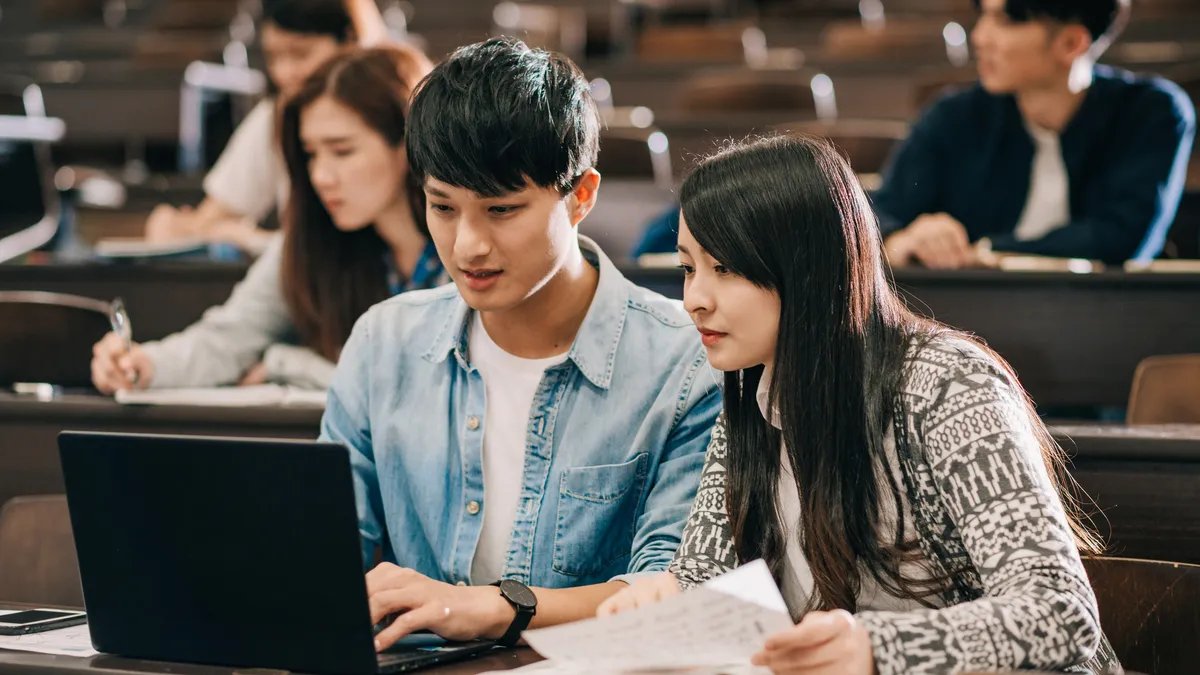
982	504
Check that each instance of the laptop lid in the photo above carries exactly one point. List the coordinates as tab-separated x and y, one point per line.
231	552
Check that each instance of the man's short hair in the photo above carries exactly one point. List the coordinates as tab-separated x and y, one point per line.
1098	16
498	115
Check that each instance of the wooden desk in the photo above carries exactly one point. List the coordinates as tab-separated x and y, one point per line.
1074	339
29	431
26	663
1144	482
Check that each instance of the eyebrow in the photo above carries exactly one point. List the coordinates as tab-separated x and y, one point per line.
436	192
309	142
682	249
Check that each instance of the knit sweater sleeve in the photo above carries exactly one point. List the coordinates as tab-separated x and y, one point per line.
706	549
1037	610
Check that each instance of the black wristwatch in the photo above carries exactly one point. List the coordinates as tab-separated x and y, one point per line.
524	601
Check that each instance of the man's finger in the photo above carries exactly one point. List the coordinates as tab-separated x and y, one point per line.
384	576
425	617
394	601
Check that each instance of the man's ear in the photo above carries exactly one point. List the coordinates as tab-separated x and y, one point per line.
583	196
1072	42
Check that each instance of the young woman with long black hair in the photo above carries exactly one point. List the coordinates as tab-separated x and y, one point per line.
890	471
354	235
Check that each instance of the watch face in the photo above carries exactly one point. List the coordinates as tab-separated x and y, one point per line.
519	594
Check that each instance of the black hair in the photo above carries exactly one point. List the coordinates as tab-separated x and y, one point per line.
788	214
498	115
1098	16
310	17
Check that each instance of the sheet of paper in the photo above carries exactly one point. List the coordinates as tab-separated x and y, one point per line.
717	624
557	668
70	641
226	397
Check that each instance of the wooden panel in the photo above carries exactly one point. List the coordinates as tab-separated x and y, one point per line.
29	431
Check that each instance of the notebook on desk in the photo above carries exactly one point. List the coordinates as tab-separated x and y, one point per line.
230	552
226	397
136	247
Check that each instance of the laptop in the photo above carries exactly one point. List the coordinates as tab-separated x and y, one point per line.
230	552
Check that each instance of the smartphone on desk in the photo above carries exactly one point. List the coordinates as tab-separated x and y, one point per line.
39	620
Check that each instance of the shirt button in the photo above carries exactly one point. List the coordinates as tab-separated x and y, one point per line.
461	583
473	507
473	423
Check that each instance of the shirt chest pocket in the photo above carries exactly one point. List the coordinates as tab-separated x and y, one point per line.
597	513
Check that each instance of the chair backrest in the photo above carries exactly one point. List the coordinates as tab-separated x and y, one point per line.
632	148
931	83
866	143
29	204
1165	390
69	10
195	14
48	337
1149	612
560	29
747	91
38	564
702	43
906	39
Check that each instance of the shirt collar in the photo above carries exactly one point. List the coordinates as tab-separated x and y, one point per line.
594	351
763	396
427	274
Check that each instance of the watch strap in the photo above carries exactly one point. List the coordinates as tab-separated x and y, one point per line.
519	624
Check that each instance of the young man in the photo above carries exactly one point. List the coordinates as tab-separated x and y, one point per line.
1049	154
542	420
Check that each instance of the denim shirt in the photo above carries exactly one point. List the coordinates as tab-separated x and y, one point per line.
615	445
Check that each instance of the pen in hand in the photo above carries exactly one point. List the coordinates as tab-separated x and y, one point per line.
123	329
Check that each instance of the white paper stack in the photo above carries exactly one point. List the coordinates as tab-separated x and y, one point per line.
714	628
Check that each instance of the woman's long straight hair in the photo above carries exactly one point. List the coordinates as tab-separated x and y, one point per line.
331	277
788	214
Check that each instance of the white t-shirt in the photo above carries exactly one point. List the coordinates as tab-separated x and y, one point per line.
797	581
510	383
1048	206
249	177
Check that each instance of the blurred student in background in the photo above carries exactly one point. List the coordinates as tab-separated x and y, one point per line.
249	178
1048	154
354	235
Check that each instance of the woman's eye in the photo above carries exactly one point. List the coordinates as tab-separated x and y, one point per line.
720	269
687	269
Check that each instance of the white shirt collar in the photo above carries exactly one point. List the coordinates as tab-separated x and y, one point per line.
763	396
